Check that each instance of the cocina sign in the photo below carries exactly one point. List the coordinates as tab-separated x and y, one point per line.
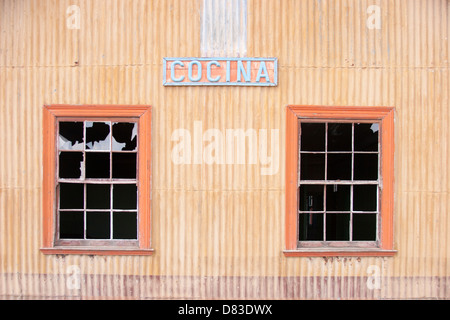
220	72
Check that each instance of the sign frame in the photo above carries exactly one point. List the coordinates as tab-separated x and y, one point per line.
209	83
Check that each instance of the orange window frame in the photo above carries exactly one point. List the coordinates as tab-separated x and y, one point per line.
51	114
385	115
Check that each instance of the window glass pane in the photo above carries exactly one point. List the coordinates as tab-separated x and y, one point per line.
366	167
71	225
339	137
338	197
312	137
339	166
98	196
124	136
311	197
71	196
70	165
364	226
312	166
365	197
310	227
124	165
337	227
98	136
71	136
124	196
125	225
97	225
366	136
97	165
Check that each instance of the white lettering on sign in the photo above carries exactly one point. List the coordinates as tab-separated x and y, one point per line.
220	72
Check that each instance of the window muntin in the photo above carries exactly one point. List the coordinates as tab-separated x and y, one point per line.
97	182
339	183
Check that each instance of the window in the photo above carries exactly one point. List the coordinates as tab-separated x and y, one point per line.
97	179
339	181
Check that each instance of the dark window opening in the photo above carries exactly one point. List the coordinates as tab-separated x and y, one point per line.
70	165
338	182
124	136
97	165
98	208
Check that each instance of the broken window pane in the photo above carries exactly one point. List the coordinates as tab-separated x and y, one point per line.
337	227
338	197
365	197
97	225
98	136
97	165
366	166
124	225
98	196
71	225
124	196
124	136
366	136
124	166
311	197
339	166
312	137
71	196
71	136
312	166
364	227
310	227
70	165
339	137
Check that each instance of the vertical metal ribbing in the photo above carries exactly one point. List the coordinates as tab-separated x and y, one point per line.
224	28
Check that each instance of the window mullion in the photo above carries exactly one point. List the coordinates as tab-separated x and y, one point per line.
351	186
110	186
325	187
84	212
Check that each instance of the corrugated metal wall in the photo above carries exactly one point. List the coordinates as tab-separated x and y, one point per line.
218	230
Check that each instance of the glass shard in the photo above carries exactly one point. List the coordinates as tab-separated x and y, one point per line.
124	136
366	136
98	136
70	135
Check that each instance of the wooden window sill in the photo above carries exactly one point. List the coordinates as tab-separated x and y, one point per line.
110	251
344	252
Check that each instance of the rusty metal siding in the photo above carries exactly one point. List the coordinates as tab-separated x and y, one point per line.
218	230
224	28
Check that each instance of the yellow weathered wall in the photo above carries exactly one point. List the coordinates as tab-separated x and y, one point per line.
218	230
